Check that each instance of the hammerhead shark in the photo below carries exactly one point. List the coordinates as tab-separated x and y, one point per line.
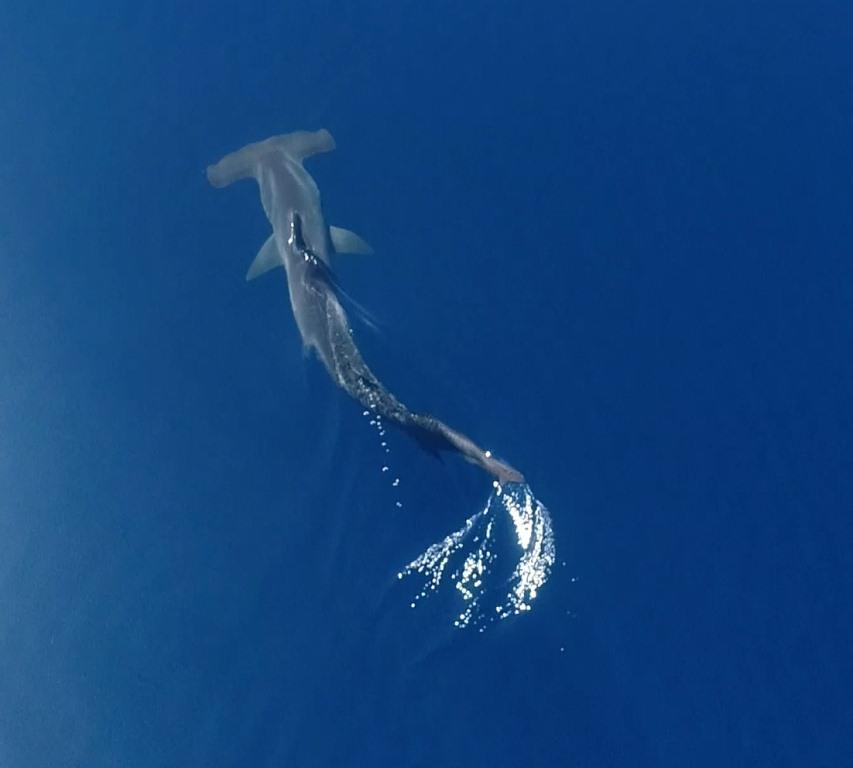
301	243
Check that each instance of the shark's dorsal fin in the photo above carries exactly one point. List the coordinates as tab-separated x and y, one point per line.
268	258
302	144
345	241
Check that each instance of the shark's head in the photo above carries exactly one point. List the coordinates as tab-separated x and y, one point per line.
245	162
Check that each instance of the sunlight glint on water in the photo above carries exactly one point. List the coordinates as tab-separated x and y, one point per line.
489	589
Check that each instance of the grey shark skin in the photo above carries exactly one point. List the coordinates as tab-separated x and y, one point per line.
302	243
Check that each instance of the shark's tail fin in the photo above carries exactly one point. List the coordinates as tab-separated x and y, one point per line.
436	435
243	163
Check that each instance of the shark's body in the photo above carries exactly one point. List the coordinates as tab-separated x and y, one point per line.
301	243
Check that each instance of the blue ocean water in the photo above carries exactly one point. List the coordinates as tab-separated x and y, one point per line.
612	244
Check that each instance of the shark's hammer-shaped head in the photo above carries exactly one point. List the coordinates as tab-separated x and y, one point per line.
246	162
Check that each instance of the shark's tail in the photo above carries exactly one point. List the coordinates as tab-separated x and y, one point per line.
437	436
352	374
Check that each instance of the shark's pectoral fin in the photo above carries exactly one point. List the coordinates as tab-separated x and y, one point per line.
345	241
268	258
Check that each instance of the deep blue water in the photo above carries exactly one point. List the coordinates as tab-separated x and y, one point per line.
613	242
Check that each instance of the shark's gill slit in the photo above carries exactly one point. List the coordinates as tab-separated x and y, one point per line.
302	243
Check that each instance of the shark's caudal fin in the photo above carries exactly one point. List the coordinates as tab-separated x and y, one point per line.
243	163
500	470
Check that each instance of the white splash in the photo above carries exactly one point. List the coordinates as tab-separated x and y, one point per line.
490	590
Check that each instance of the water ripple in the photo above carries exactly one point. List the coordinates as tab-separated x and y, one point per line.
494	574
